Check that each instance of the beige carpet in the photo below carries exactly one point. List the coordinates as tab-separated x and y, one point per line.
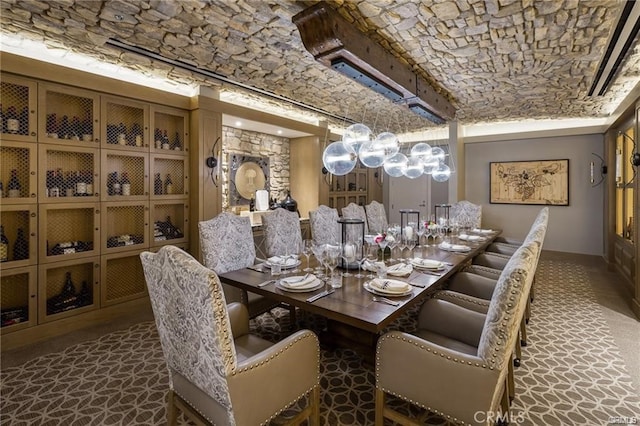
571	373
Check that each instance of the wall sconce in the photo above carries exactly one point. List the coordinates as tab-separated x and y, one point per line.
212	163
603	171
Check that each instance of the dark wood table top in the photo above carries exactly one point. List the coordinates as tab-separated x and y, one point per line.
352	304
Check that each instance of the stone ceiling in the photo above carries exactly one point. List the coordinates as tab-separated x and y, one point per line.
495	60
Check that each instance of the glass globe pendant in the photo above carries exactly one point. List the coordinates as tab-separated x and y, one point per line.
437	153
422	151
415	168
339	158
356	135
441	173
372	154
389	143
430	166
396	165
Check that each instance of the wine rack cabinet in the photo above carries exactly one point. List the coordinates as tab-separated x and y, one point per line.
134	165
163	166
21	157
122	277
18	298
169	130
350	188
164	216
125	124
25	218
127	224
20	97
62	224
69	163
51	280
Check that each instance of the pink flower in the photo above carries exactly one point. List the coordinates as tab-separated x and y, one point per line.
378	238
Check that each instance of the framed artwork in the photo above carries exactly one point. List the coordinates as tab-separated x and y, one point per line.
530	182
246	175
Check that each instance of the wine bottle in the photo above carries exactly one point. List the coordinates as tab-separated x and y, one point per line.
20	246
157	185
13	316
165	141
177	146
3	121
24	121
157	137
116	186
125	184
69	185
14	187
136	135
66	300
122	134
70	247
13	124
81	185
63	129
168	185
52	126
85	297
89	180
56	184
87	128
4	245
75	129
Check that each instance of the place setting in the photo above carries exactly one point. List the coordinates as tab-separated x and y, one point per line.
388	287
460	248
300	284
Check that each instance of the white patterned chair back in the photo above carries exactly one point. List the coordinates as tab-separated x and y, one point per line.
226	242
281	232
193	324
376	217
467	214
354	211
324	225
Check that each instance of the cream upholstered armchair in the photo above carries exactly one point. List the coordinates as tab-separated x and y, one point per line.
354	211
281	232
457	361
324	225
218	372
376	217
226	242
466	214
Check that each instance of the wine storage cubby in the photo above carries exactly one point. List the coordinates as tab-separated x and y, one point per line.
169	222
68	174
125	124
18	109
68	115
68	231
68	288
127	226
18	172
19	231
168	177
350	188
18	303
125	176
168	131
122	278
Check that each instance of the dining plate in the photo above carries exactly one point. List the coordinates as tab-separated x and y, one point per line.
287	266
435	266
375	291
318	285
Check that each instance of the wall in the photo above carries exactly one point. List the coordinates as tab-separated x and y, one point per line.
577	228
256	144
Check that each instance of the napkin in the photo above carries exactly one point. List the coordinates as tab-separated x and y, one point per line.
467	237
372	266
482	231
299	282
389	286
283	261
427	263
454	247
400	270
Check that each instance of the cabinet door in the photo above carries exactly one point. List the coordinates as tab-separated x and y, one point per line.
169	130
169	222
68	174
167	168
125	124
19	99
124	166
68	116
18	302
125	226
54	303
18	172
68	231
122	278
23	217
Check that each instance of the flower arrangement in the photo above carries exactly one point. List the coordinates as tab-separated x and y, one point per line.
379	238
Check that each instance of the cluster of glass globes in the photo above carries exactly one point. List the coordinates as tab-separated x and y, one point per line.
341	157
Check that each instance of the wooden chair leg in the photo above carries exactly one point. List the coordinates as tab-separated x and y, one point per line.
504	402
523	333
511	384
293	322
379	407
172	413
518	355
315	406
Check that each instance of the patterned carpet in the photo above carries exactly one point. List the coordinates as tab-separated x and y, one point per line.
571	373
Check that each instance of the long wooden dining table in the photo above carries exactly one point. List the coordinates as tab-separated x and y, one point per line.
354	319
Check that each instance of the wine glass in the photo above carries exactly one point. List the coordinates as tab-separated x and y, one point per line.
383	243
371	255
411	243
392	239
307	250
318	252
420	230
332	254
348	255
360	257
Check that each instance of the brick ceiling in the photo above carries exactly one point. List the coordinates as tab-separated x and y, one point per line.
495	60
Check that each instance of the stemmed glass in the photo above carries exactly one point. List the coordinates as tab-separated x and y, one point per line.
420	231
392	239
372	257
402	244
318	252
348	255
307	250
331	256
411	243
360	258
383	243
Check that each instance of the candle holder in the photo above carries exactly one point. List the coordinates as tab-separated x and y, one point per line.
352	231
442	212
405	217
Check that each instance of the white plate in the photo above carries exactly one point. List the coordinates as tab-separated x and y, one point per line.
373	290
292	265
300	290
430	268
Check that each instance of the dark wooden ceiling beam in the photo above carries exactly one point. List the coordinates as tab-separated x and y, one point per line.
330	38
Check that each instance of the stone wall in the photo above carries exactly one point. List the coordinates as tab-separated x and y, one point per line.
245	142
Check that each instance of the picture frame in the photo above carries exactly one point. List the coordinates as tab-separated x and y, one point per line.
539	182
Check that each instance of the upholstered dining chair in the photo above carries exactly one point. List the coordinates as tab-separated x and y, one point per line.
466	213
281	232
456	363
218	372
226	243
376	217
354	211
324	225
